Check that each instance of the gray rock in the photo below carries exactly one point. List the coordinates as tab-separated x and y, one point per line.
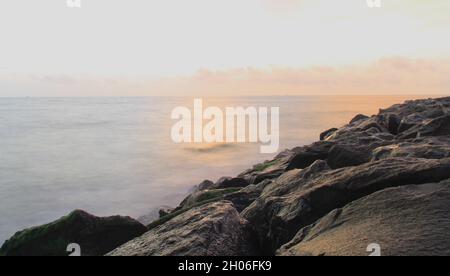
359	117
293	202
305	156
267	170
345	156
205	185
409	122
427	147
243	198
349	146
404	221
393	123
421	108
324	135
230	182
203	196
256	178
414	116
215	229
431	127
96	236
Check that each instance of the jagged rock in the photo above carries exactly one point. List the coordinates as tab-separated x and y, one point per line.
206	195
294	178
393	123
435	127
267	170
324	135
284	154
358	117
215	229
409	121
430	108
427	147
346	147
346	156
378	123
243	198
370	138
353	144
205	185
317	167
257	178
286	206
305	156
405	221
230	182
414	115
96	236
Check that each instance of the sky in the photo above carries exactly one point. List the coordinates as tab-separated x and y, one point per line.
223	47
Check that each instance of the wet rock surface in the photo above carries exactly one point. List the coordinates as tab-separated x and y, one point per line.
215	229
294	201
413	220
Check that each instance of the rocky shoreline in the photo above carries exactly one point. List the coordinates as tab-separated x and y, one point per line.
383	179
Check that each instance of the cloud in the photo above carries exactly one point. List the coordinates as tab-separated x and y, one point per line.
393	75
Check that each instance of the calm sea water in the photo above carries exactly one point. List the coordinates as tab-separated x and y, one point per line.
115	155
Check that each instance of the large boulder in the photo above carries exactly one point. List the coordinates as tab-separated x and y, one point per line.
268	170
293	201
412	220
304	156
351	145
215	229
429	108
426	147
96	236
420	117
243	198
341	156
434	127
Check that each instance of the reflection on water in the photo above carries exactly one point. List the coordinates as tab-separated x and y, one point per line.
207	147
115	155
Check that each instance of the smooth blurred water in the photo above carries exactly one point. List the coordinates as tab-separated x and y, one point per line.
115	155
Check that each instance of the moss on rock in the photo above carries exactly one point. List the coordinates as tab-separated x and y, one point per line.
96	236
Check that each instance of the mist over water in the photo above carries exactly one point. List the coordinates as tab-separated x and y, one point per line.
115	155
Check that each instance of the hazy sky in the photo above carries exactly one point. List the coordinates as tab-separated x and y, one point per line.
257	47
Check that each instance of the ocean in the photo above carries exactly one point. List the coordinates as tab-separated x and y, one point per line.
113	156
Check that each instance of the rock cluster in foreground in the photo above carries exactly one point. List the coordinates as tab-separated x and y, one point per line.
214	229
96	236
383	179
